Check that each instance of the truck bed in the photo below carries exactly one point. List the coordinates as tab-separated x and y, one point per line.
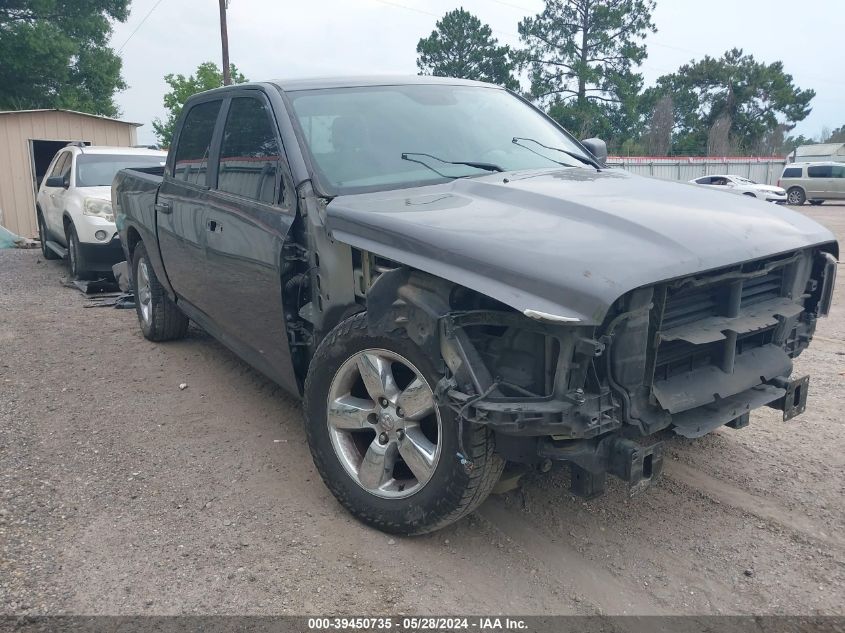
133	195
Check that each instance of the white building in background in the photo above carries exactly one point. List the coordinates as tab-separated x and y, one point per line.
818	152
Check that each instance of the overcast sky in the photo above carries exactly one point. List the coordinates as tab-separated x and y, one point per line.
296	38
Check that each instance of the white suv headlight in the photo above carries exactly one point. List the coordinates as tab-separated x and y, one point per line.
98	208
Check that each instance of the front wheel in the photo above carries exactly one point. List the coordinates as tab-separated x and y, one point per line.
76	260
382	444
796	196
159	317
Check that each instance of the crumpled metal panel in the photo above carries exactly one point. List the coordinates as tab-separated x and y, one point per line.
703	386
750	319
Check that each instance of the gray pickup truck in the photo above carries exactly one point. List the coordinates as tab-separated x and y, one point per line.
452	282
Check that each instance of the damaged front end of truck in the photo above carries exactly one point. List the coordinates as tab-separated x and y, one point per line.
689	354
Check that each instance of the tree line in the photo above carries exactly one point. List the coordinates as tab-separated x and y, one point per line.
579	60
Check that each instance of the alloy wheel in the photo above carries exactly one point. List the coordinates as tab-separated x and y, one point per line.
795	197
73	256
145	299
384	424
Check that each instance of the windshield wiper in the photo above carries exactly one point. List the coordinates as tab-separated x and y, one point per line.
469	163
580	157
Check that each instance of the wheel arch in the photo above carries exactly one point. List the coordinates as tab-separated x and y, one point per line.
133	237
799	188
411	300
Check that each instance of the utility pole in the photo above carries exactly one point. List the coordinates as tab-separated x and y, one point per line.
224	37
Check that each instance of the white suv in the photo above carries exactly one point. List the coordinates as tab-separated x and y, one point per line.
75	218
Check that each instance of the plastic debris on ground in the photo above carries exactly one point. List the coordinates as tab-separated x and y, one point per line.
10	240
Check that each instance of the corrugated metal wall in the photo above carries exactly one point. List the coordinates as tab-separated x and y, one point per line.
762	170
17	197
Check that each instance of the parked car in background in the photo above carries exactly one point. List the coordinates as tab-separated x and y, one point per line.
742	186
813	182
73	205
452	281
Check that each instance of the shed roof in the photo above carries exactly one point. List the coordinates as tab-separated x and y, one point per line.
820	149
88	114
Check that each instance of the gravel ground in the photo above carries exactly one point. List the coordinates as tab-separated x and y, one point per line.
122	494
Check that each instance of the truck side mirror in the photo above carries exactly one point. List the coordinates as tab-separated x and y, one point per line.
597	147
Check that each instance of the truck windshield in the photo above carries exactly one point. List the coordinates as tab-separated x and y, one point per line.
98	170
357	136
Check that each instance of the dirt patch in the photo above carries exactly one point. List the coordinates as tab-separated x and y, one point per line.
122	494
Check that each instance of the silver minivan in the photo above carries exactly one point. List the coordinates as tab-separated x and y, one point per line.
813	182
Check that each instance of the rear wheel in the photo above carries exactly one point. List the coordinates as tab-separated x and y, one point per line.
159	317
796	196
46	251
381	443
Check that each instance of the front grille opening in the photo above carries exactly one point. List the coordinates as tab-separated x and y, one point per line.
754	340
690	304
679	357
763	288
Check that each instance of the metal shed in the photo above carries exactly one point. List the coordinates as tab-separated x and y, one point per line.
818	152
28	141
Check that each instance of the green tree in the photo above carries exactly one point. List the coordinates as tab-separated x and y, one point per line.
734	97
461	46
55	54
836	136
791	142
581	56
207	76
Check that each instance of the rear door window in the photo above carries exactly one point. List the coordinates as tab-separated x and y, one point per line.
820	171
838	171
191	160
249	153
792	172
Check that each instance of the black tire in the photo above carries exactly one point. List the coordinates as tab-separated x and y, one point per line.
749	194
166	321
46	252
816	203
452	492
75	260
796	196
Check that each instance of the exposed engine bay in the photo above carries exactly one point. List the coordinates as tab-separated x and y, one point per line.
690	354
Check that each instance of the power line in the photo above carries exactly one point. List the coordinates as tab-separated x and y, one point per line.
140	24
515	6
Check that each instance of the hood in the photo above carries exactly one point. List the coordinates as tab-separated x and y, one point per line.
100	193
771	188
567	242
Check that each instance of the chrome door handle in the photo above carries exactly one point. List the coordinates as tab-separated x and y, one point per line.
163	207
